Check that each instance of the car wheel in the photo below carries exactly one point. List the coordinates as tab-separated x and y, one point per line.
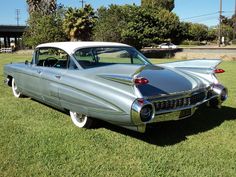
15	90
81	120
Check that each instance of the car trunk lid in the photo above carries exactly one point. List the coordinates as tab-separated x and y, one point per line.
161	80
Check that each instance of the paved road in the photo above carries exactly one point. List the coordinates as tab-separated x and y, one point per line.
226	53
210	50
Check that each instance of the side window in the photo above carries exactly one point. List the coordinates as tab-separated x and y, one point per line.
86	57
52	57
114	55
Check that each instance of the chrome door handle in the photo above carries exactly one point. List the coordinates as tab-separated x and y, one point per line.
58	76
39	72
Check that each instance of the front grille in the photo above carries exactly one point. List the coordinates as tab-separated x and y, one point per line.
197	97
179	102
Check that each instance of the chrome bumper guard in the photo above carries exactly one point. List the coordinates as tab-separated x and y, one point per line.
218	92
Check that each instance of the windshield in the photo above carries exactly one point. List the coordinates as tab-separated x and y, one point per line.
102	56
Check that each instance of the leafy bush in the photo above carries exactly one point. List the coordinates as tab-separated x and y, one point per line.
234	41
189	42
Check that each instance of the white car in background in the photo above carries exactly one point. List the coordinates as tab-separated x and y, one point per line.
167	46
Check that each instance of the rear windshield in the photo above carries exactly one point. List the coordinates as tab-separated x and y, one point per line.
102	56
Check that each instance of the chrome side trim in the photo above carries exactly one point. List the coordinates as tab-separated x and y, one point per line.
118	78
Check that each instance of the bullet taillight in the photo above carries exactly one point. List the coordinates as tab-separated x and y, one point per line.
140	81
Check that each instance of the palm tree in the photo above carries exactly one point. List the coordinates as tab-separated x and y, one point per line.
166	4
78	23
43	6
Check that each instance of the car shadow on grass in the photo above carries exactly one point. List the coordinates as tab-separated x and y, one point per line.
173	132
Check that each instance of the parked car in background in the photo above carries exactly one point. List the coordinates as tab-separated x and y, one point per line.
114	82
167	46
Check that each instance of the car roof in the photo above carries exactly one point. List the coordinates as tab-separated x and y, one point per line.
70	47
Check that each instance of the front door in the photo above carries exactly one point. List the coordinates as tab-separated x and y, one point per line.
30	80
55	63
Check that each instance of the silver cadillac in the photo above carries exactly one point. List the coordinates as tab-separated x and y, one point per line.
115	83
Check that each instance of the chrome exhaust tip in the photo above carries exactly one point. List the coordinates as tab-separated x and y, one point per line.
221	95
221	91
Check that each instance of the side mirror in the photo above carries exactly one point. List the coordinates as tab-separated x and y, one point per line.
26	62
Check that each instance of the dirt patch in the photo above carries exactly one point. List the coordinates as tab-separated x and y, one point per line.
188	55
24	52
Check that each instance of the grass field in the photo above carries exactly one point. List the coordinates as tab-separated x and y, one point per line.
36	140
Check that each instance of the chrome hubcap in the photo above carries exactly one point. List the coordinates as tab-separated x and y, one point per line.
80	117
15	89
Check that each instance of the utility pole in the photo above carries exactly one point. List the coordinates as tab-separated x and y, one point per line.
234	20
17	16
82	3
220	23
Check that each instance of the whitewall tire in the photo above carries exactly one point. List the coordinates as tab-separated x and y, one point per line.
15	90
81	120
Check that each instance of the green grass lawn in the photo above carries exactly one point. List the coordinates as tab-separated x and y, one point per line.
36	140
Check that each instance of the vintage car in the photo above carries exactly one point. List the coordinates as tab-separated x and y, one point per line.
114	82
168	45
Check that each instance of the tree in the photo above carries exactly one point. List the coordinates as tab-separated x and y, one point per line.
135	25
111	21
198	32
78	23
212	34
44	28
227	33
151	25
45	7
166	4
183	31
228	27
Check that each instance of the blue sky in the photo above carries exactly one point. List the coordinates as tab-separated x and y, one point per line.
185	9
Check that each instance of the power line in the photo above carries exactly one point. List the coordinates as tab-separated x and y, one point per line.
200	16
204	19
230	11
203	15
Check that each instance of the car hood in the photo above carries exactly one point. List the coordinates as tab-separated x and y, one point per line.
162	80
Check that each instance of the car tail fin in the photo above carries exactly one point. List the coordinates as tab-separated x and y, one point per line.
196	63
204	68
